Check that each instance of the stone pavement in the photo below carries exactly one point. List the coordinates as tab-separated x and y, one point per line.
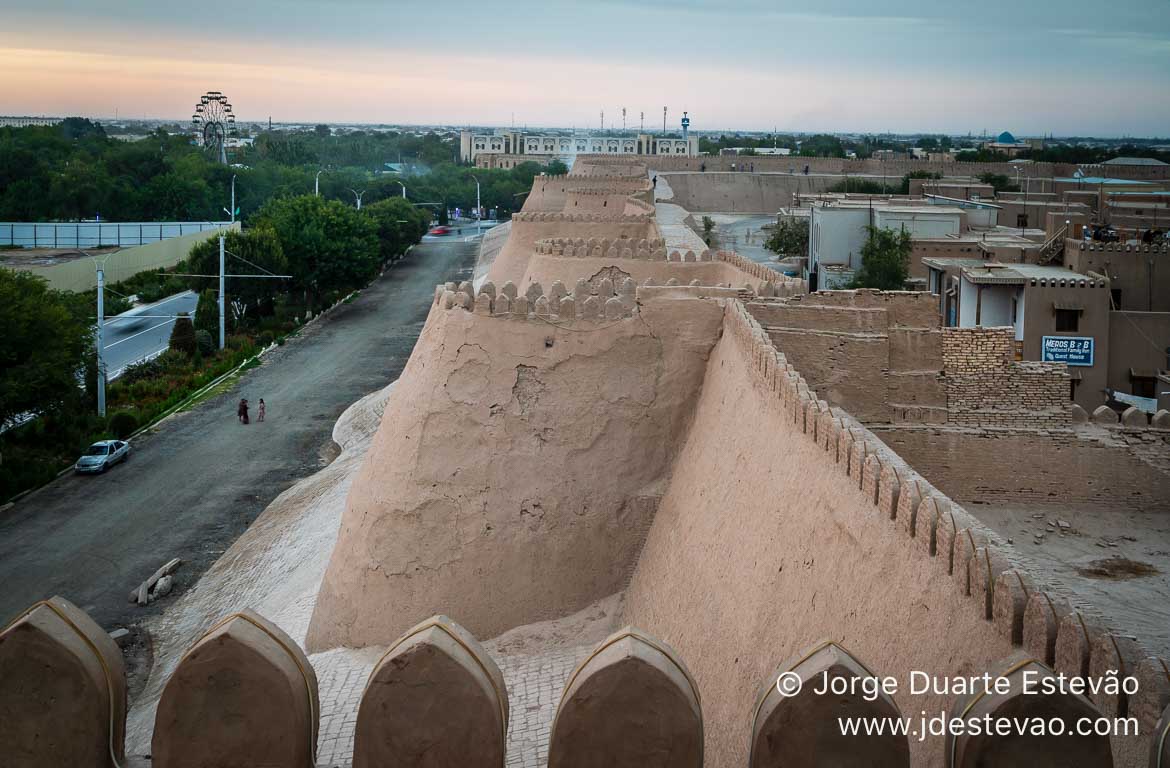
534	681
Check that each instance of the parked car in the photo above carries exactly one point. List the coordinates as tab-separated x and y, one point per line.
102	455
442	229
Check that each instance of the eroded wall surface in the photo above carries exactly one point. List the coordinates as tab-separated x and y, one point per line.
515	472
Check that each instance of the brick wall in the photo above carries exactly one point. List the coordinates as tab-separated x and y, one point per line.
985	386
1039	466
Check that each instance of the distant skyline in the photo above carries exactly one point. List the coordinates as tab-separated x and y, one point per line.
905	66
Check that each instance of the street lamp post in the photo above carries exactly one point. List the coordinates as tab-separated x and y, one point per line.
317	183
358	197
101	339
221	302
233	198
399	183
478	215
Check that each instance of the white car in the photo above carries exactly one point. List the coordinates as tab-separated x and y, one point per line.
102	455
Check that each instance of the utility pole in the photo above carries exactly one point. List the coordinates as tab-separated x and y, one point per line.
664	121
101	339
623	119
221	299
233	198
603	121
641	122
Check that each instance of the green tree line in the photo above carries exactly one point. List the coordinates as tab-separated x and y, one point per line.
75	171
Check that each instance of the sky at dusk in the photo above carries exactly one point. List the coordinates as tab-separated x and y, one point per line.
1067	67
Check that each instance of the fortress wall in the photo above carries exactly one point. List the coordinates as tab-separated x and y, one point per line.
579	200
899	168
1006	466
787	522
744	192
763	545
545	269
512	262
515	471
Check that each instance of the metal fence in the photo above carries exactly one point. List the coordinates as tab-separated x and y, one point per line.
95	234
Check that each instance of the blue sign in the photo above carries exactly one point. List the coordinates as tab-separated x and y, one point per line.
1074	350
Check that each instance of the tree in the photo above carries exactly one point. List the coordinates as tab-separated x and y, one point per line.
981	155
43	347
399	225
859	186
999	181
556	168
708	228
329	246
822	145
207	312
255	252
789	238
885	260
183	335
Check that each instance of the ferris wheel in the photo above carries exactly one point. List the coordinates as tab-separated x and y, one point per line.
214	122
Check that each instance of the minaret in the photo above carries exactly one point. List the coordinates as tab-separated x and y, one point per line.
686	125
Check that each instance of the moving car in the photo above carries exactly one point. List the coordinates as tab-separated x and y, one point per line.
102	455
442	229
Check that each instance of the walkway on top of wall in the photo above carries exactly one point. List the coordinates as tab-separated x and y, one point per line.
672	222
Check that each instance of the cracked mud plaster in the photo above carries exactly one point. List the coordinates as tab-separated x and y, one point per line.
523	497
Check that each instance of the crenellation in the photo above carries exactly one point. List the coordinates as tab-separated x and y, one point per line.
1009	601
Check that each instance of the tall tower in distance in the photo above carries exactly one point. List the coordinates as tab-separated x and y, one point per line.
686	125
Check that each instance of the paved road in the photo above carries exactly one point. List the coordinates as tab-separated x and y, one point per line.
130	337
190	489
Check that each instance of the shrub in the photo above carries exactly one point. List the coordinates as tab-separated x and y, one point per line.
266	338
123	424
183	335
204	343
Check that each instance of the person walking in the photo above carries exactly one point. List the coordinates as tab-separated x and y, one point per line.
244	411
260	411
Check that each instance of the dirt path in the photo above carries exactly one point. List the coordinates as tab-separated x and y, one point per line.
191	488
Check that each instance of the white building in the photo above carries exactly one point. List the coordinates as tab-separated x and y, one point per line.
839	230
25	122
472	145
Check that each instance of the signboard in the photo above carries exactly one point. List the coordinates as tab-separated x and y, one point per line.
1074	350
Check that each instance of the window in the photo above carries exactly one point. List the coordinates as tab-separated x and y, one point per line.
1068	320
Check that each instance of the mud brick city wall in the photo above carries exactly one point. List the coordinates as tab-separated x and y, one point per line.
986	386
1098	466
876	354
